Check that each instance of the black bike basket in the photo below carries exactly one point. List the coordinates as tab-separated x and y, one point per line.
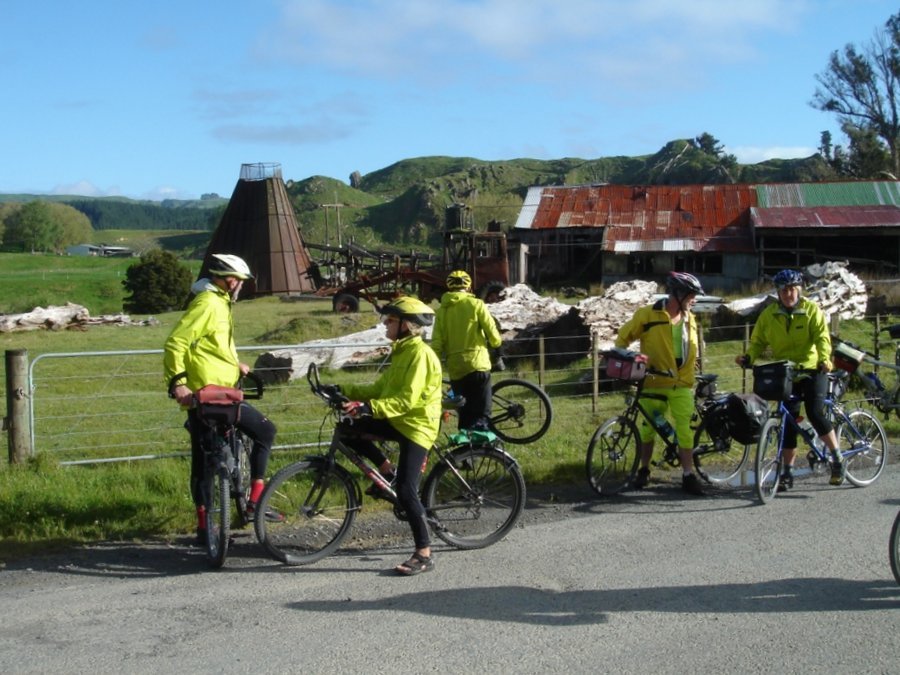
773	381
622	364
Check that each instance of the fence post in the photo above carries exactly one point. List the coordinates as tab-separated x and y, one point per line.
541	361
595	364
18	398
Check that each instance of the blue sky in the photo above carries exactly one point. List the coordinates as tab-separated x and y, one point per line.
166	99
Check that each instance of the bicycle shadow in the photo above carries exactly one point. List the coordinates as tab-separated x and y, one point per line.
668	498
535	606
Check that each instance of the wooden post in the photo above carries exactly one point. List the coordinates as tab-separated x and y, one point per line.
18	399
595	364
541	361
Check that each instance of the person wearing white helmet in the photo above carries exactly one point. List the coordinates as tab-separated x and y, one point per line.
402	405
465	334
200	350
668	335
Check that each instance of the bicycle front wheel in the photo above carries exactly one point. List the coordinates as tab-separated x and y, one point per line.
768	461
521	411
894	548
866	457
612	456
306	511
718	458
217	501
474	497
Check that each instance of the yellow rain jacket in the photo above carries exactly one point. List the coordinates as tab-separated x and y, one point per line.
408	392
653	327
202	342
800	336
463	331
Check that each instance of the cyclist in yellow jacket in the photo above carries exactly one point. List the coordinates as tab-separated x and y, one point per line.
464	333
668	334
795	329
199	351
402	405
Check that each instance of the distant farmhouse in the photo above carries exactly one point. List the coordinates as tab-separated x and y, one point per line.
101	251
728	235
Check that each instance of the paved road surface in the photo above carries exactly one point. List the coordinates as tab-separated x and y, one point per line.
651	583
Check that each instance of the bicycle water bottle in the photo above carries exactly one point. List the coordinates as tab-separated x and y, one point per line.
814	436
665	429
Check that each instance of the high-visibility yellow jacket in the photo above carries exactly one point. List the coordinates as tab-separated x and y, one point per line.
202	342
653	327
800	335
463	331
408	392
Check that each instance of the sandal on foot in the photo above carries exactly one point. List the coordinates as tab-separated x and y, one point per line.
416	564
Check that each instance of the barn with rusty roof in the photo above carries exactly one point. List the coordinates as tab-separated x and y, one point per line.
728	235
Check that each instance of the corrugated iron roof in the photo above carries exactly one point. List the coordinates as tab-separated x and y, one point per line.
649	218
845	193
825	216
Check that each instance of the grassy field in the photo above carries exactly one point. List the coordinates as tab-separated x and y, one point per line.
45	505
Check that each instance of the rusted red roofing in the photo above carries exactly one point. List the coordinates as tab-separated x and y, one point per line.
652	217
825	216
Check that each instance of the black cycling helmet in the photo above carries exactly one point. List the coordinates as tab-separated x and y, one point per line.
681	284
788	278
410	309
227	265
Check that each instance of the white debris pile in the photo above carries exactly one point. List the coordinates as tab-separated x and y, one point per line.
61	317
604	315
521	308
834	288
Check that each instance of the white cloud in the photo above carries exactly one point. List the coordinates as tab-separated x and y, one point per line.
749	154
85	188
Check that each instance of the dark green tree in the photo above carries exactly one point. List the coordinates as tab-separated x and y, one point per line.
33	228
862	87
158	283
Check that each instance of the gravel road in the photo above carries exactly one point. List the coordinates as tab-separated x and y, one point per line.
649	582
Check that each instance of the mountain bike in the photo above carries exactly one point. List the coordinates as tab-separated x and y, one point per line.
521	412
613	452
864	459
848	356
226	451
473	495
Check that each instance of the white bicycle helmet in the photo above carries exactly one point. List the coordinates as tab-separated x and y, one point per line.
228	265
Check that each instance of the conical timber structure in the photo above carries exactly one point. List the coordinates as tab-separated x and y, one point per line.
259	225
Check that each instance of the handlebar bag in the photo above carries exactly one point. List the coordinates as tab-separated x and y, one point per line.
623	364
216	403
846	357
773	381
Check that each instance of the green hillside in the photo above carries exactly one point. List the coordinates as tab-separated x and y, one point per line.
402	206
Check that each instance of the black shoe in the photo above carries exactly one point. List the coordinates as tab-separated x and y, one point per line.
201	539
786	481
837	473
642	478
270	515
691	485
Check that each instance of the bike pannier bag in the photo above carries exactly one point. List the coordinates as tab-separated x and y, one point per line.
894	331
773	381
219	404
846	357
747	413
622	364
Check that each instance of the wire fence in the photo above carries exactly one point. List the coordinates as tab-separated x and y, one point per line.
91	407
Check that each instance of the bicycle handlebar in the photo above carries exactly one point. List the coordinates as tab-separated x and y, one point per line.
255	393
330	394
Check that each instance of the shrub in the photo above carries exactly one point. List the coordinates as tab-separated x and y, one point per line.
158	283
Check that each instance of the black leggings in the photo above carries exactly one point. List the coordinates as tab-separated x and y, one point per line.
476	389
253	423
813	390
410	465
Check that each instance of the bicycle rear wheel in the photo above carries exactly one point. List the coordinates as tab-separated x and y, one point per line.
318	504
242	477
612	456
474	496
217	487
894	548
768	461
718	458
866	457
521	413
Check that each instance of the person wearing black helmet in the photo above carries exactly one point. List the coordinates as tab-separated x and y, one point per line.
201	350
795	329
464	334
402	405
668	335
